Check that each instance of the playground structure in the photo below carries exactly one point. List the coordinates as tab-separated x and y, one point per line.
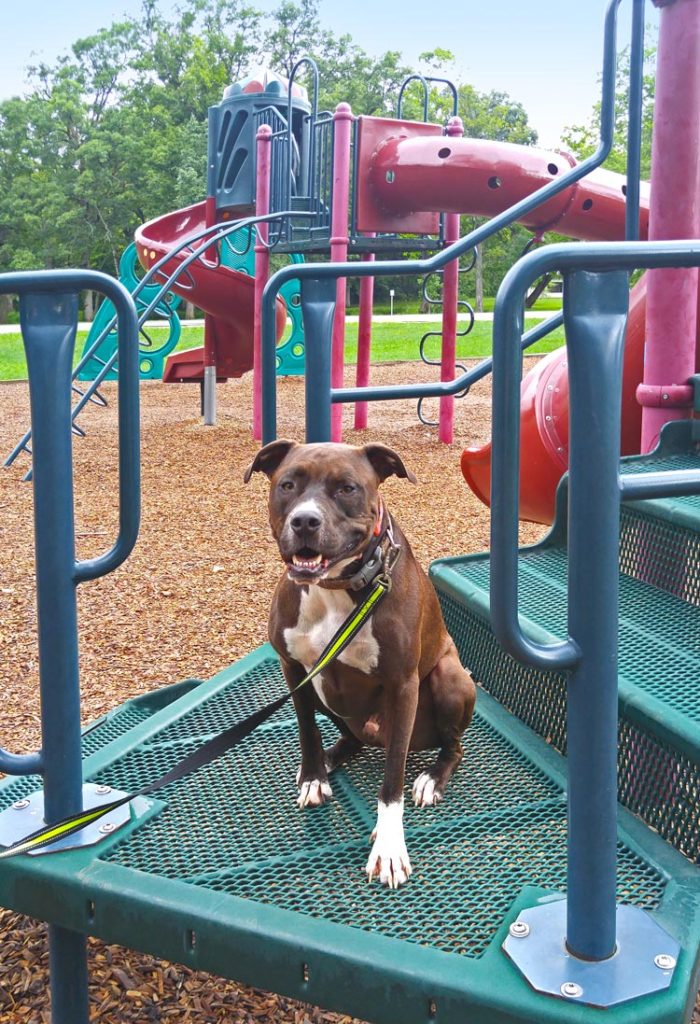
484	934
333	181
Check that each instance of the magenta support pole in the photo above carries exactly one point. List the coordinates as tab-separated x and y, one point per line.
364	339
262	265
342	129
450	293
671	320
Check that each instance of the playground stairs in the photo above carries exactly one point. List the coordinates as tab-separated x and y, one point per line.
223	872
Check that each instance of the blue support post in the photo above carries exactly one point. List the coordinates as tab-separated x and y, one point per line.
634	122
318	310
49	323
595	317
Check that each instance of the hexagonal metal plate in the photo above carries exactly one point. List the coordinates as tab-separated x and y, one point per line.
27	815
638	967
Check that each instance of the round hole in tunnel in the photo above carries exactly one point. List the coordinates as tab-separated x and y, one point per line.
586	204
494	182
295	299
552	168
444	152
624	190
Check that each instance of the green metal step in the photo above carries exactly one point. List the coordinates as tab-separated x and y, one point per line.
223	872
659	645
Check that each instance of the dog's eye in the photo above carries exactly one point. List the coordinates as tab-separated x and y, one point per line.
347	489
287	485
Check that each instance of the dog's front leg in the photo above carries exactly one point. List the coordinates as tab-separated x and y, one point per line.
312	777
389	856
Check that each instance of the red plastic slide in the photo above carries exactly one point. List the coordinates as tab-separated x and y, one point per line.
225	294
544	422
411	173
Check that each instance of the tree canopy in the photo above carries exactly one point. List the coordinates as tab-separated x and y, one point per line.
114	132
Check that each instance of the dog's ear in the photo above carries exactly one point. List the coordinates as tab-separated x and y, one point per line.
385	462
269	458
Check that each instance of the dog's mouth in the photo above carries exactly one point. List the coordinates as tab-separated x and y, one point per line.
308	563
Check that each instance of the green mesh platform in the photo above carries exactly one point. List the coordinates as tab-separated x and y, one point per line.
224	872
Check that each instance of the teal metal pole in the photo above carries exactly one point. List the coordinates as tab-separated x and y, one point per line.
595	317
49	322
634	122
318	305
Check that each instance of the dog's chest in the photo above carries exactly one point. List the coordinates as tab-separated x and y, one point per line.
321	613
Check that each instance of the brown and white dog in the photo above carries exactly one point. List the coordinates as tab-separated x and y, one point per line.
399	684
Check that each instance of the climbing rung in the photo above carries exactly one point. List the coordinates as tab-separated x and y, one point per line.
99	399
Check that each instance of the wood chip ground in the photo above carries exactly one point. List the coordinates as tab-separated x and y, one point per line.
192	598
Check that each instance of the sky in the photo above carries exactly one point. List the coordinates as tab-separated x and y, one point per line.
546	54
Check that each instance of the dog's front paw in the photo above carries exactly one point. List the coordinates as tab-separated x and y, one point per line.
426	790
313	792
388	861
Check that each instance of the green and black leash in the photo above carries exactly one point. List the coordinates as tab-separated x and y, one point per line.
219	744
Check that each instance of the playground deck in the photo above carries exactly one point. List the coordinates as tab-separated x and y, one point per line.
141	629
264	869
229	876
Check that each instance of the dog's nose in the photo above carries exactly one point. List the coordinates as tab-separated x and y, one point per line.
305	522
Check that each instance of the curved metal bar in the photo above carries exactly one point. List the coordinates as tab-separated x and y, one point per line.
610	256
129	438
129	500
436	262
439	389
314	114
21	764
413	78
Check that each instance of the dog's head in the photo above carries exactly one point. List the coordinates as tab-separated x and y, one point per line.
324	502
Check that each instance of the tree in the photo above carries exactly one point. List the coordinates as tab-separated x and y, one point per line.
583	139
114	132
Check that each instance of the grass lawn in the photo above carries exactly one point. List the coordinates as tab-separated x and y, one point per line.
390	342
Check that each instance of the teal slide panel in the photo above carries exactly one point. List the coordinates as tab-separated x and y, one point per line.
238	253
152	356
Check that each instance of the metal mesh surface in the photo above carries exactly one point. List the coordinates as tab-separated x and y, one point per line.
657	783
656	630
234	827
661	553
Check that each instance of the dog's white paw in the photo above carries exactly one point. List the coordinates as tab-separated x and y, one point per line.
389	857
313	793
424	792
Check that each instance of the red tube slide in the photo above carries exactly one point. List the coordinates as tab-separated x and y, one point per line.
225	294
544	423
410	171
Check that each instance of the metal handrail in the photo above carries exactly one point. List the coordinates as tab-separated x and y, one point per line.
596	305
397	268
37	289
424	79
313	116
507	326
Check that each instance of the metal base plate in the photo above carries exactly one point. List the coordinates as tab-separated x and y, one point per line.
644	961
27	815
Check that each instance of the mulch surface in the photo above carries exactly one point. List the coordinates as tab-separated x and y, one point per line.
192	598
